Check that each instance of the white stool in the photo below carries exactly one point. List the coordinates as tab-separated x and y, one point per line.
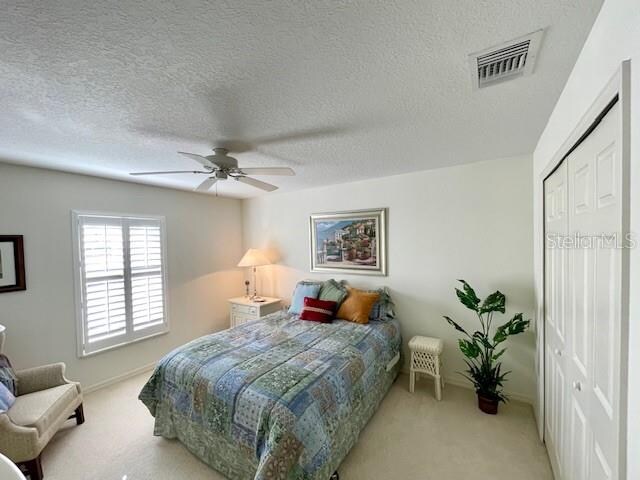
425	358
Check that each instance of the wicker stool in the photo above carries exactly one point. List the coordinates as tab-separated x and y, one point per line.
425	358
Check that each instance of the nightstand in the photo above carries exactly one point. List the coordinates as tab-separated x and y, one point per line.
244	310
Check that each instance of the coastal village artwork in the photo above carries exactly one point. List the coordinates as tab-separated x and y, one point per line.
347	241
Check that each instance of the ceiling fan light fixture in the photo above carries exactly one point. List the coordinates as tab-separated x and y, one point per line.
221	166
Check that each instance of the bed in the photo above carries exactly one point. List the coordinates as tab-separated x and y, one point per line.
278	398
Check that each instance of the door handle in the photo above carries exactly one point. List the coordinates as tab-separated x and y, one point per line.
558	352
577	386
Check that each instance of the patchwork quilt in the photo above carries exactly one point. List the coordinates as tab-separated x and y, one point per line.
278	398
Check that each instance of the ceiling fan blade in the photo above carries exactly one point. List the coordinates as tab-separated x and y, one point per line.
257	183
269	171
167	172
207	184
198	158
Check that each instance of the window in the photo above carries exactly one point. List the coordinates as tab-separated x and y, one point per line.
120	279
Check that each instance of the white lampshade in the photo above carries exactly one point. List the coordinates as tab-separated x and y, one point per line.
8	470
253	258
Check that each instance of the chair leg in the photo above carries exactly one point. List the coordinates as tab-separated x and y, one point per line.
412	381
438	385
438	378
78	415
33	468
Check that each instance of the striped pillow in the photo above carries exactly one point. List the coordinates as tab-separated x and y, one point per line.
316	310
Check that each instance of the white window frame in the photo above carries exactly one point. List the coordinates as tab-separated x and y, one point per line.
84	348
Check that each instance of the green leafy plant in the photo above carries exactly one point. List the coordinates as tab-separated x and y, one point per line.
482	349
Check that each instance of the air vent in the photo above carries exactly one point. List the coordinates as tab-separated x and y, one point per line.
505	62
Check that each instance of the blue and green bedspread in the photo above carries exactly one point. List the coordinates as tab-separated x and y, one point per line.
279	398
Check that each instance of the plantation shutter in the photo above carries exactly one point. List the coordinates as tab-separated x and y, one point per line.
121	280
147	297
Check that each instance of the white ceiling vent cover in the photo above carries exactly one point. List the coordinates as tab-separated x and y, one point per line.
507	61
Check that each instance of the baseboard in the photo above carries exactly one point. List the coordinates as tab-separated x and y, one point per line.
462	383
118	378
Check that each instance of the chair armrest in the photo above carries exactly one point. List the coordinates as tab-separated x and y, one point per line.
16	442
40	378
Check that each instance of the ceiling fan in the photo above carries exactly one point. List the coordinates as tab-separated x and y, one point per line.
221	166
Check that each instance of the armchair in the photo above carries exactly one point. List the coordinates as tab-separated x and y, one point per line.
45	400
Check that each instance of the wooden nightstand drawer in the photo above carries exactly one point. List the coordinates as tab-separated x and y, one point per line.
244	309
239	319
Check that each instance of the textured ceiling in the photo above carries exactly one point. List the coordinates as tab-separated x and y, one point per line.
339	91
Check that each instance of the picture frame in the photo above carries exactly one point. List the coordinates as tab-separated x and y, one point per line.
12	275
353	242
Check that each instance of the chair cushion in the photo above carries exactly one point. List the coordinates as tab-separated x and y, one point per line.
42	409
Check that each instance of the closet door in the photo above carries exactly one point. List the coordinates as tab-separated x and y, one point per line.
595	224
556	273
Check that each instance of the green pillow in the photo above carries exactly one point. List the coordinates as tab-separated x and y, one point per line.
333	292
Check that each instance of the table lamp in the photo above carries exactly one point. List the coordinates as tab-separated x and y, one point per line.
254	258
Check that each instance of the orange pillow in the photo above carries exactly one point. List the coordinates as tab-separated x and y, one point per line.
357	306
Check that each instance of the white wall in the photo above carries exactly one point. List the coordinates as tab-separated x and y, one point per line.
471	222
204	236
615	37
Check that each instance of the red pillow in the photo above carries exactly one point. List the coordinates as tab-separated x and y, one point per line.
316	310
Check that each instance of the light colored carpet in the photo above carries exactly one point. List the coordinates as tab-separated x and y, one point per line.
412	436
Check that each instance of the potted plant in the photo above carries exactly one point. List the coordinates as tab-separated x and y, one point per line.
482	349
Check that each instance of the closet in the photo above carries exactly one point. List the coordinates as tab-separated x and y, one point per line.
583	305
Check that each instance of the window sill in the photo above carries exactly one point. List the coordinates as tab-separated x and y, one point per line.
123	344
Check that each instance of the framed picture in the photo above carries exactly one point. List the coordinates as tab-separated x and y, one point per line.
12	276
349	242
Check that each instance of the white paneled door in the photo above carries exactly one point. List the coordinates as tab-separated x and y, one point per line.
556	269
583	273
